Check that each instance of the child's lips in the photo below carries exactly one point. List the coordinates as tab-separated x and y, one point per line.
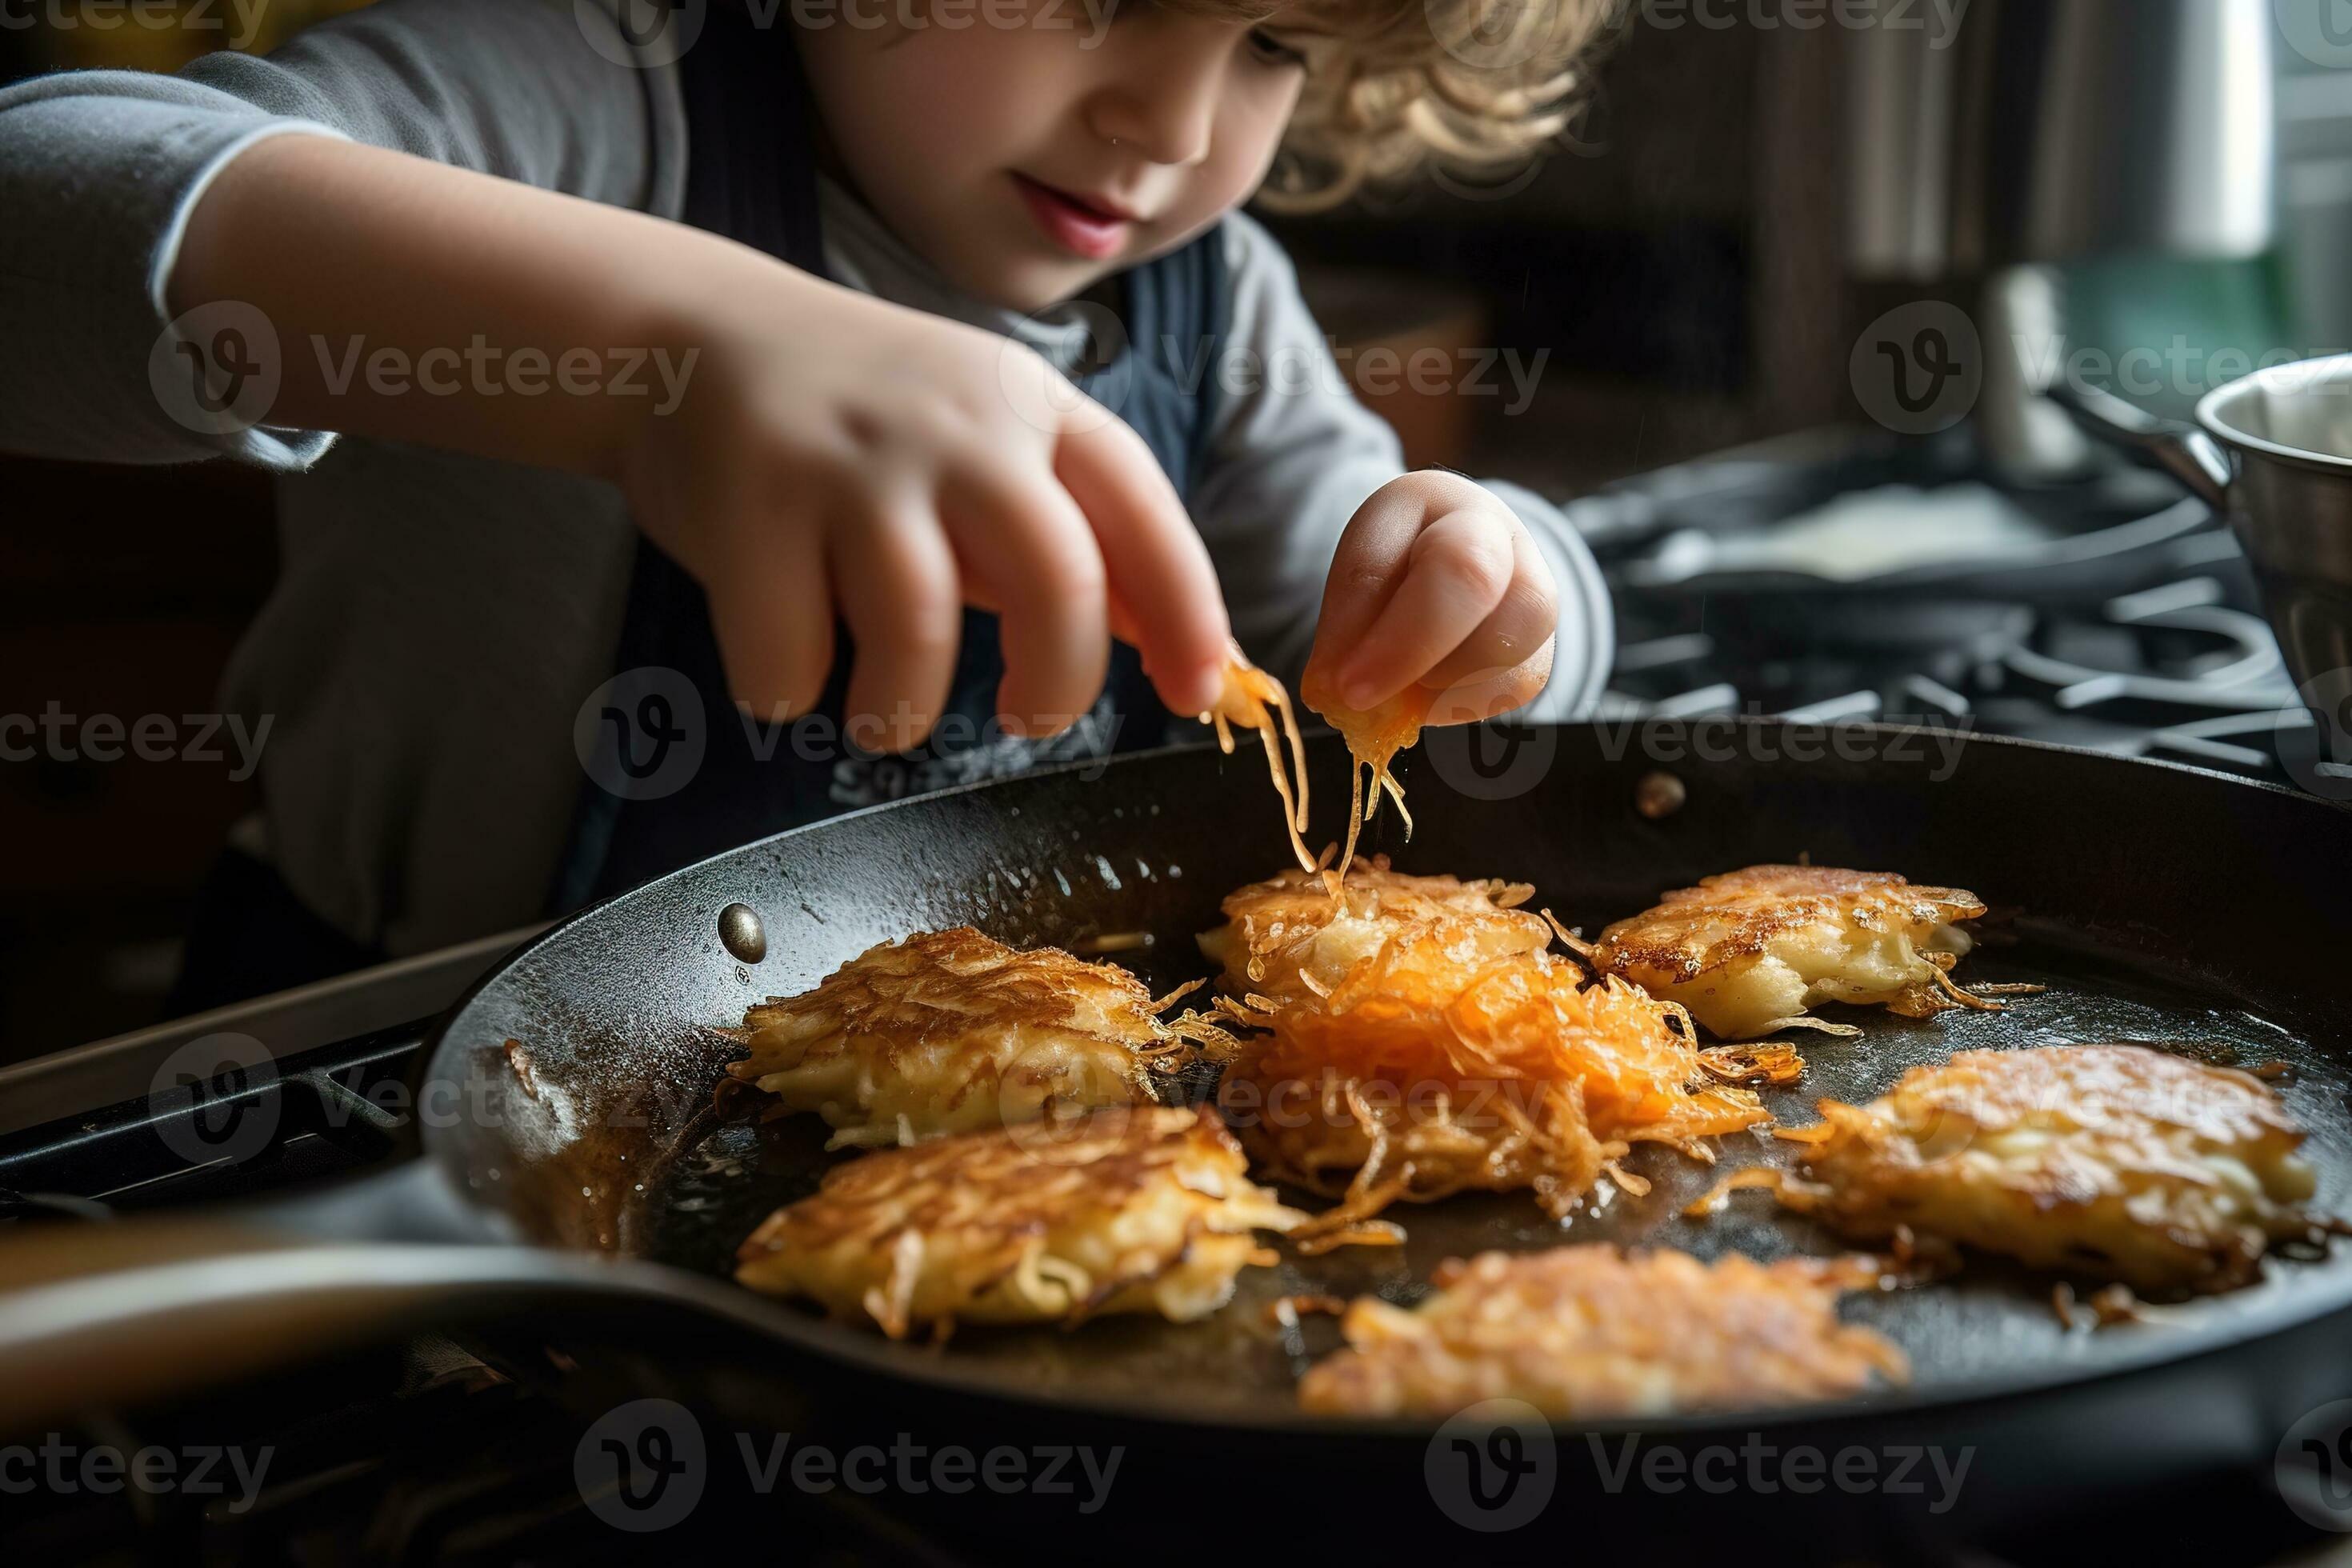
1074	223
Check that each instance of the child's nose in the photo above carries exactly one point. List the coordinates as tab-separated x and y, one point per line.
1167	115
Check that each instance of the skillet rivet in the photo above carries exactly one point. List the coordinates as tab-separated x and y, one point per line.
741	932
1659	794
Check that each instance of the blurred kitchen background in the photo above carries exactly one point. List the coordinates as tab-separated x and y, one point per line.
1749	185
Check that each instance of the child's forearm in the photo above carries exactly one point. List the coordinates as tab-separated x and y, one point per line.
838	457
404	295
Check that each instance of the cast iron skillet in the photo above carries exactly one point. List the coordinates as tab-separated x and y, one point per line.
2158	903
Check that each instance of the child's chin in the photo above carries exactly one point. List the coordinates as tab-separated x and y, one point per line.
1029	283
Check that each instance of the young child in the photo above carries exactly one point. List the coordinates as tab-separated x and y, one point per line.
879	362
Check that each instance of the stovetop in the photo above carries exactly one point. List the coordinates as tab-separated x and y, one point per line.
2111	613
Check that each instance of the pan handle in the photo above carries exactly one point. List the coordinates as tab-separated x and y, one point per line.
223	1292
2182	450
108	1312
141	1311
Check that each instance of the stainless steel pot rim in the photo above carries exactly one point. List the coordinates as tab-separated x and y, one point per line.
2298	378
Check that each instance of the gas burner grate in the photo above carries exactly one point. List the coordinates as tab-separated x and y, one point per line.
2139	634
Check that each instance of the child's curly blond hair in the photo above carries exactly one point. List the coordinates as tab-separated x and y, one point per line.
1462	83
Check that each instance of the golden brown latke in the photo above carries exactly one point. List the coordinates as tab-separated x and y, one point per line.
1751	950
1433	1068
1289	940
950	1031
1591	1333
1144	1210
2115	1161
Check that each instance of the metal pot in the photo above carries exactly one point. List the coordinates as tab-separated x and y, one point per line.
2273	453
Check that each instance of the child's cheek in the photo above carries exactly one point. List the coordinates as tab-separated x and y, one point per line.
1249	133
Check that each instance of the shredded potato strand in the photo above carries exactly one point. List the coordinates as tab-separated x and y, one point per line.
1256	701
1374	737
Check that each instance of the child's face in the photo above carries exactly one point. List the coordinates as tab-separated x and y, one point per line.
1027	150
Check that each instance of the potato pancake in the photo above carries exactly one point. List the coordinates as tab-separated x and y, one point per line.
951	1031
1289	940
1750	951
1591	1333
1148	1210
1432	1069
2120	1162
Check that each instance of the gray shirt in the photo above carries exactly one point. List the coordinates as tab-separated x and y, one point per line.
439	619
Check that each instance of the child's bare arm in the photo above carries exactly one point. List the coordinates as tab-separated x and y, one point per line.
830	451
351	251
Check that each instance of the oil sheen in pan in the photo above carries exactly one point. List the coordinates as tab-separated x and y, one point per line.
1992	1317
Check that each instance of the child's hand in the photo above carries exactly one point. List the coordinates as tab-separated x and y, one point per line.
829	452
1436	580
837	453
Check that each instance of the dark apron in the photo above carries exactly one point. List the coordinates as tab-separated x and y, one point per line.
653	802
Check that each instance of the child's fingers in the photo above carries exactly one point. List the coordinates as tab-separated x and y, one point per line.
1365	571
896	582
1456	575
1525	621
774	628
1033	559
1156	564
1499	690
